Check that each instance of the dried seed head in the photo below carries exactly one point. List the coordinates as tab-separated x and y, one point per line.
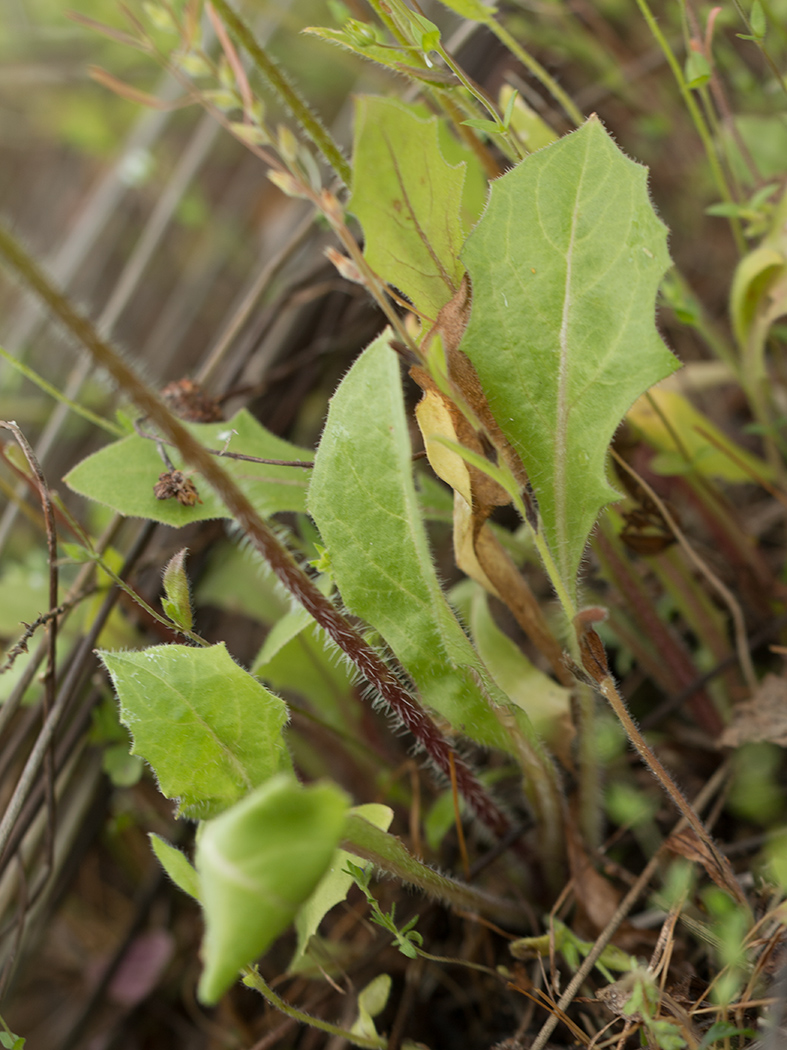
175	483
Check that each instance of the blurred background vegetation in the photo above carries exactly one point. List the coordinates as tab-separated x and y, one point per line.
167	230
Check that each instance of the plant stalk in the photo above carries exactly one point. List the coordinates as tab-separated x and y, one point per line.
252	979
389	854
371	665
308	120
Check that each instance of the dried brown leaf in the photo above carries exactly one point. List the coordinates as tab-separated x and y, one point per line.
762	717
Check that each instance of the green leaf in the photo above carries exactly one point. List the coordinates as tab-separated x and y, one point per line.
372	1001
698	70
565	264
333	886
473	9
426	33
757	20
177	604
177	865
122	475
408	200
364	502
210	731
257	864
365	46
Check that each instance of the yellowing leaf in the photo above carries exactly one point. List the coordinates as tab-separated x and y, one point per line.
409	201
664	414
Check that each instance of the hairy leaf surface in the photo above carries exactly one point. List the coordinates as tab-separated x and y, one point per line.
210	731
409	201
122	475
565	264
363	498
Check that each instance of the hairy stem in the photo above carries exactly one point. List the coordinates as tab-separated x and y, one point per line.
252	979
388	854
371	665
308	120
609	691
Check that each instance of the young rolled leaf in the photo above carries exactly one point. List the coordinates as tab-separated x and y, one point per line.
565	264
122	475
409	201
210	731
176	602
257	863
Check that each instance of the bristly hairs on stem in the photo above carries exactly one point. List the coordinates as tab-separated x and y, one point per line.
406	707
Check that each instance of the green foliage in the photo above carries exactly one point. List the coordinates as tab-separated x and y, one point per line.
561	258
363	499
122	475
257	863
177	601
333	886
371	1002
177	866
210	731
561	938
565	265
408	200
407	939
8	1040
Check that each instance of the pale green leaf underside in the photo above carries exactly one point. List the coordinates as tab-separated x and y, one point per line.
334	884
408	200
210	731
257	863
122	475
565	264
364	502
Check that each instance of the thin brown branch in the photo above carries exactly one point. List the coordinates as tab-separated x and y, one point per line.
51	664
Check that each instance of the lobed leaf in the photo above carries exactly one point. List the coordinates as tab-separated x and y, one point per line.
565	264
210	731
